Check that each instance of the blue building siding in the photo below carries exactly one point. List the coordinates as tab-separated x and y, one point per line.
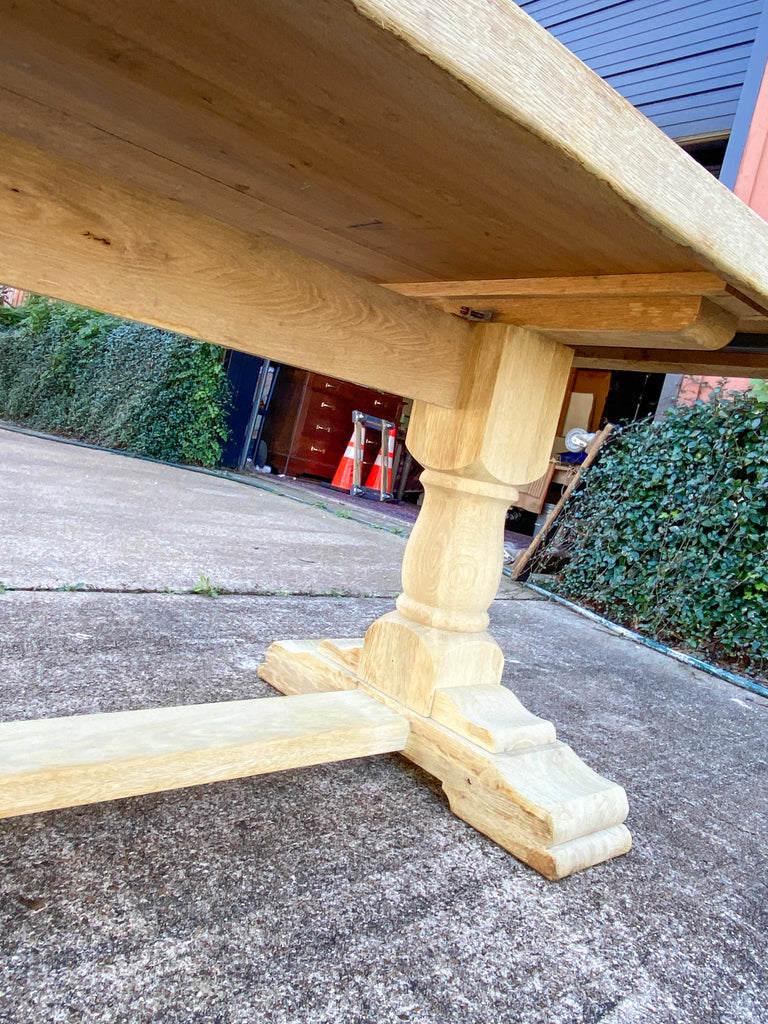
682	63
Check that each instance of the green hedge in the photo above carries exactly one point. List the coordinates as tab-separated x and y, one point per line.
670	530
69	370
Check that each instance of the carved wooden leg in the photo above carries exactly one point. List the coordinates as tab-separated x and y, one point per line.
432	659
500	434
451	570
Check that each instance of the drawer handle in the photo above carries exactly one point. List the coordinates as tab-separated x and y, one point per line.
313	449
331	387
327	405
326	429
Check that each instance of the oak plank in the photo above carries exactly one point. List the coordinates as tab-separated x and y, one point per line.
596	286
724	362
82	759
628	302
73	234
710	327
426	147
613	313
547	91
230	92
702	313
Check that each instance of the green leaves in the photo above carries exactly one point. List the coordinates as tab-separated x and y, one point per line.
204	587
70	370
670	530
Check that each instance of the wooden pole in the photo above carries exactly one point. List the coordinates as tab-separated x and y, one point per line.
593	448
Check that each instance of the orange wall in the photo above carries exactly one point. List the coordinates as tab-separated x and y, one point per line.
751	186
752	179
693	389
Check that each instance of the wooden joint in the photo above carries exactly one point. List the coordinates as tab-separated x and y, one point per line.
681	311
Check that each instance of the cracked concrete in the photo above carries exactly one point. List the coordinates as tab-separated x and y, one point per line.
76	515
347	892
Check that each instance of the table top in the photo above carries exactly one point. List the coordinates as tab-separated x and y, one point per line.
402	141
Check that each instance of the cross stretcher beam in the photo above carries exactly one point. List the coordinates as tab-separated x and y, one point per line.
126	251
677	312
83	759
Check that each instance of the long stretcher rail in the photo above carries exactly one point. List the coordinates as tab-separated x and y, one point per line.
82	759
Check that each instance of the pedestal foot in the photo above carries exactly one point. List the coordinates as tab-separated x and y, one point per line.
502	768
432	660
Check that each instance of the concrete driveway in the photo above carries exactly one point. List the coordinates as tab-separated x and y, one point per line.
347	892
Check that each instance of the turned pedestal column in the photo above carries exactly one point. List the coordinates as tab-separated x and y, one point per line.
497	438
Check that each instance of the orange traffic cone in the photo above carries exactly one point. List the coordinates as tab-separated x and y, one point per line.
343	475
374	477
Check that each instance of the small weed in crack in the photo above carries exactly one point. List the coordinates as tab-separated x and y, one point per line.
204	587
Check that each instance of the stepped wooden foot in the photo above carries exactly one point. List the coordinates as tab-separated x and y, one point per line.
502	768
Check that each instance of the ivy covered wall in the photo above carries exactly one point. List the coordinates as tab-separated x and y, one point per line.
669	531
72	371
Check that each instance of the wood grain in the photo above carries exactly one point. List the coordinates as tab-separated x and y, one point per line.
557	287
644	297
499	435
490	716
507	409
75	235
502	770
684	311
548	92
454	556
710	327
409	658
62	762
664	313
399	139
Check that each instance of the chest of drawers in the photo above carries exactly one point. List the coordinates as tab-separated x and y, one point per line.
310	422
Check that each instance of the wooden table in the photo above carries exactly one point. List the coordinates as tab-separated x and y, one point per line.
353	187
